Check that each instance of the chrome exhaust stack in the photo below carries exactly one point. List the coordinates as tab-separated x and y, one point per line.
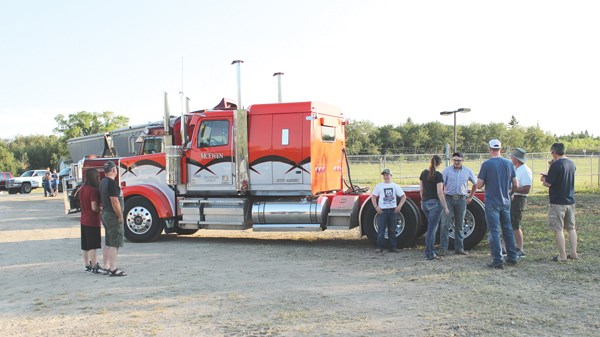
278	74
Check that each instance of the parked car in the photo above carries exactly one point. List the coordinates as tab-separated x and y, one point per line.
4	177
64	173
28	181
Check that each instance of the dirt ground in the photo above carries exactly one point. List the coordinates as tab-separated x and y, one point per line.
256	284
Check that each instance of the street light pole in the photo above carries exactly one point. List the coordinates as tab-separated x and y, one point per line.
445	113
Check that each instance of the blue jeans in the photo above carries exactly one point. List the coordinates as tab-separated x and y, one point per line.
457	209
433	211
388	219
498	218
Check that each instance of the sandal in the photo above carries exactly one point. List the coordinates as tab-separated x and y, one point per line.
556	259
117	272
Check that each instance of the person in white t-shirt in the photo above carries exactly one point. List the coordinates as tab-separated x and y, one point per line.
519	197
385	203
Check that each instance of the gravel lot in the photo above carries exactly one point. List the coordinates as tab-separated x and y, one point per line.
255	284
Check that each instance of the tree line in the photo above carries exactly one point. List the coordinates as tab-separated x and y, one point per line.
40	151
363	137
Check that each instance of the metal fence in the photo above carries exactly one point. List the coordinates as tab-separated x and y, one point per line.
406	168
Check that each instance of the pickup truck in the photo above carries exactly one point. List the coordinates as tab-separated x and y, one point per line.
28	181
4	177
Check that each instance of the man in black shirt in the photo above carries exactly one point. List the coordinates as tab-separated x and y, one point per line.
561	182
112	219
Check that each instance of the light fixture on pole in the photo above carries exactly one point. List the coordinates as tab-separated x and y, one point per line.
445	113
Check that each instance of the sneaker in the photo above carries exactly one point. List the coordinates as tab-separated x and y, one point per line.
441	252
520	253
496	266
431	258
394	250
379	250
511	262
461	252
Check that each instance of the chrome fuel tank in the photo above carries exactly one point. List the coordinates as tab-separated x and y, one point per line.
291	212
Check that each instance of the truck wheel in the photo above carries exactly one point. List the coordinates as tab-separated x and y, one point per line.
26	188
474	228
141	220
408	221
181	231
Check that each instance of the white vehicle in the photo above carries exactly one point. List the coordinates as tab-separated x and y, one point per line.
28	181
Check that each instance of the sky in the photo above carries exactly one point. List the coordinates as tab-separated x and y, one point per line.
378	60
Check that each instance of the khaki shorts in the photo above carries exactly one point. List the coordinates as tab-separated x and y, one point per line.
113	231
561	216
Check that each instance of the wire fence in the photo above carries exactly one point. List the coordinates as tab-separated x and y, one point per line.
406	168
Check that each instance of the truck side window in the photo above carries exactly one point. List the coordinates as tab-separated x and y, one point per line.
213	133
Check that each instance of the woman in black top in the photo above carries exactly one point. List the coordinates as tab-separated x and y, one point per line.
431	185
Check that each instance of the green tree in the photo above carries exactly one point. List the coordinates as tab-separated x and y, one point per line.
8	162
513	122
36	152
361	137
389	138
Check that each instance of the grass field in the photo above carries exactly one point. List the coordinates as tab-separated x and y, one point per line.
365	170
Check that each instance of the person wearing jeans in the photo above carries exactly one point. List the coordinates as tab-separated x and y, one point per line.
458	196
385	204
497	174
431	188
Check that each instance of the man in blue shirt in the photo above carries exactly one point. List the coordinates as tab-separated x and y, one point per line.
458	196
497	174
561	181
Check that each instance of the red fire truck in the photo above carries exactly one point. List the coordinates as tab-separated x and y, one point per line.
270	167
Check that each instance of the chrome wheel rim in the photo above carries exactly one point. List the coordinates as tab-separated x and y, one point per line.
139	220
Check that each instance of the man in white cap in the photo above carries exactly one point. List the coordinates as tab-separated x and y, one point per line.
384	200
497	174
519	198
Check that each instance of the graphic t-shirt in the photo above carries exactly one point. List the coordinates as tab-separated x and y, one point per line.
387	193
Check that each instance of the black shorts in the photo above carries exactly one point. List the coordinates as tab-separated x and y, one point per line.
517	205
90	237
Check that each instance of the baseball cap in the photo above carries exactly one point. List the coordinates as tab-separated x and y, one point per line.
386	171
495	144
108	166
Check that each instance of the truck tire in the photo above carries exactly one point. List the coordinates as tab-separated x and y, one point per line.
181	231
408	222
26	188
141	220
422	224
475	226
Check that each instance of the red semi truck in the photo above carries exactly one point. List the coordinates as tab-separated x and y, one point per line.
270	167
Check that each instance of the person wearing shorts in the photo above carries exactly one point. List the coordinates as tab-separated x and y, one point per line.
519	197
90	221
561	214
112	219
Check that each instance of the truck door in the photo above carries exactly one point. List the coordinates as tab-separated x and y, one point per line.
211	166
